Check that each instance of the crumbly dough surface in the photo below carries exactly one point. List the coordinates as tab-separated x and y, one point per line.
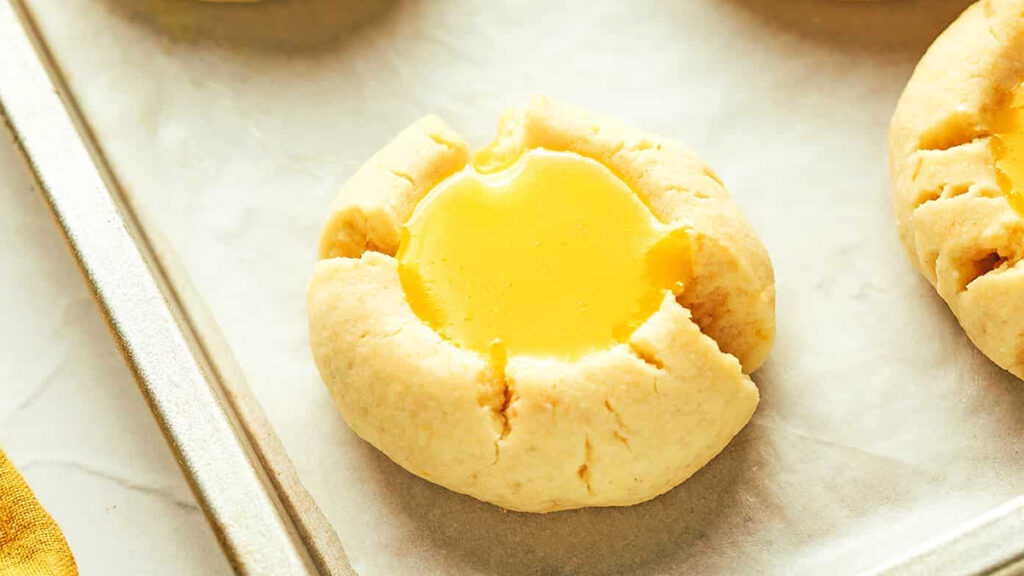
616	427
953	218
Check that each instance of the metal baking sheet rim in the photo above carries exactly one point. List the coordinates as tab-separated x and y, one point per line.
264	520
992	543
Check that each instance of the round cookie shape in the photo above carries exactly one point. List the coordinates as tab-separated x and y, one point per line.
952	200
616	426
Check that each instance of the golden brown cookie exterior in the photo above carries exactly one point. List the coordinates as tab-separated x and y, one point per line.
615	428
953	218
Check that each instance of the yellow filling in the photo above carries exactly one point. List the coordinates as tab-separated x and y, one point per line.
1008	148
552	256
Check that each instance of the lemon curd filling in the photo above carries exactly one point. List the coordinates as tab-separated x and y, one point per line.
1008	148
553	256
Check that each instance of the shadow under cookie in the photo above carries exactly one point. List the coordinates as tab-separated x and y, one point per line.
881	24
273	25
636	539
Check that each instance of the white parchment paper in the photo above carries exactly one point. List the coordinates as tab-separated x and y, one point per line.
880	424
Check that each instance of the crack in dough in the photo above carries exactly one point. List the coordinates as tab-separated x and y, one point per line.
585	472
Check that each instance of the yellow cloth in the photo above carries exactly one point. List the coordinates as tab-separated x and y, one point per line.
31	544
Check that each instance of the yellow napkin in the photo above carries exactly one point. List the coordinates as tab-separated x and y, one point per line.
31	544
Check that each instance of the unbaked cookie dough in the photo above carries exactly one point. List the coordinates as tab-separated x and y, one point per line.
499	399
956	144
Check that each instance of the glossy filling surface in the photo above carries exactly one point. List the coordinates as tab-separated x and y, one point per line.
553	256
1008	148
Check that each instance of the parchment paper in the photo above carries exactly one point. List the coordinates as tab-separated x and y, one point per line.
880	424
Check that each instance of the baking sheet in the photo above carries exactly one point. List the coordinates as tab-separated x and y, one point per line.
880	425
